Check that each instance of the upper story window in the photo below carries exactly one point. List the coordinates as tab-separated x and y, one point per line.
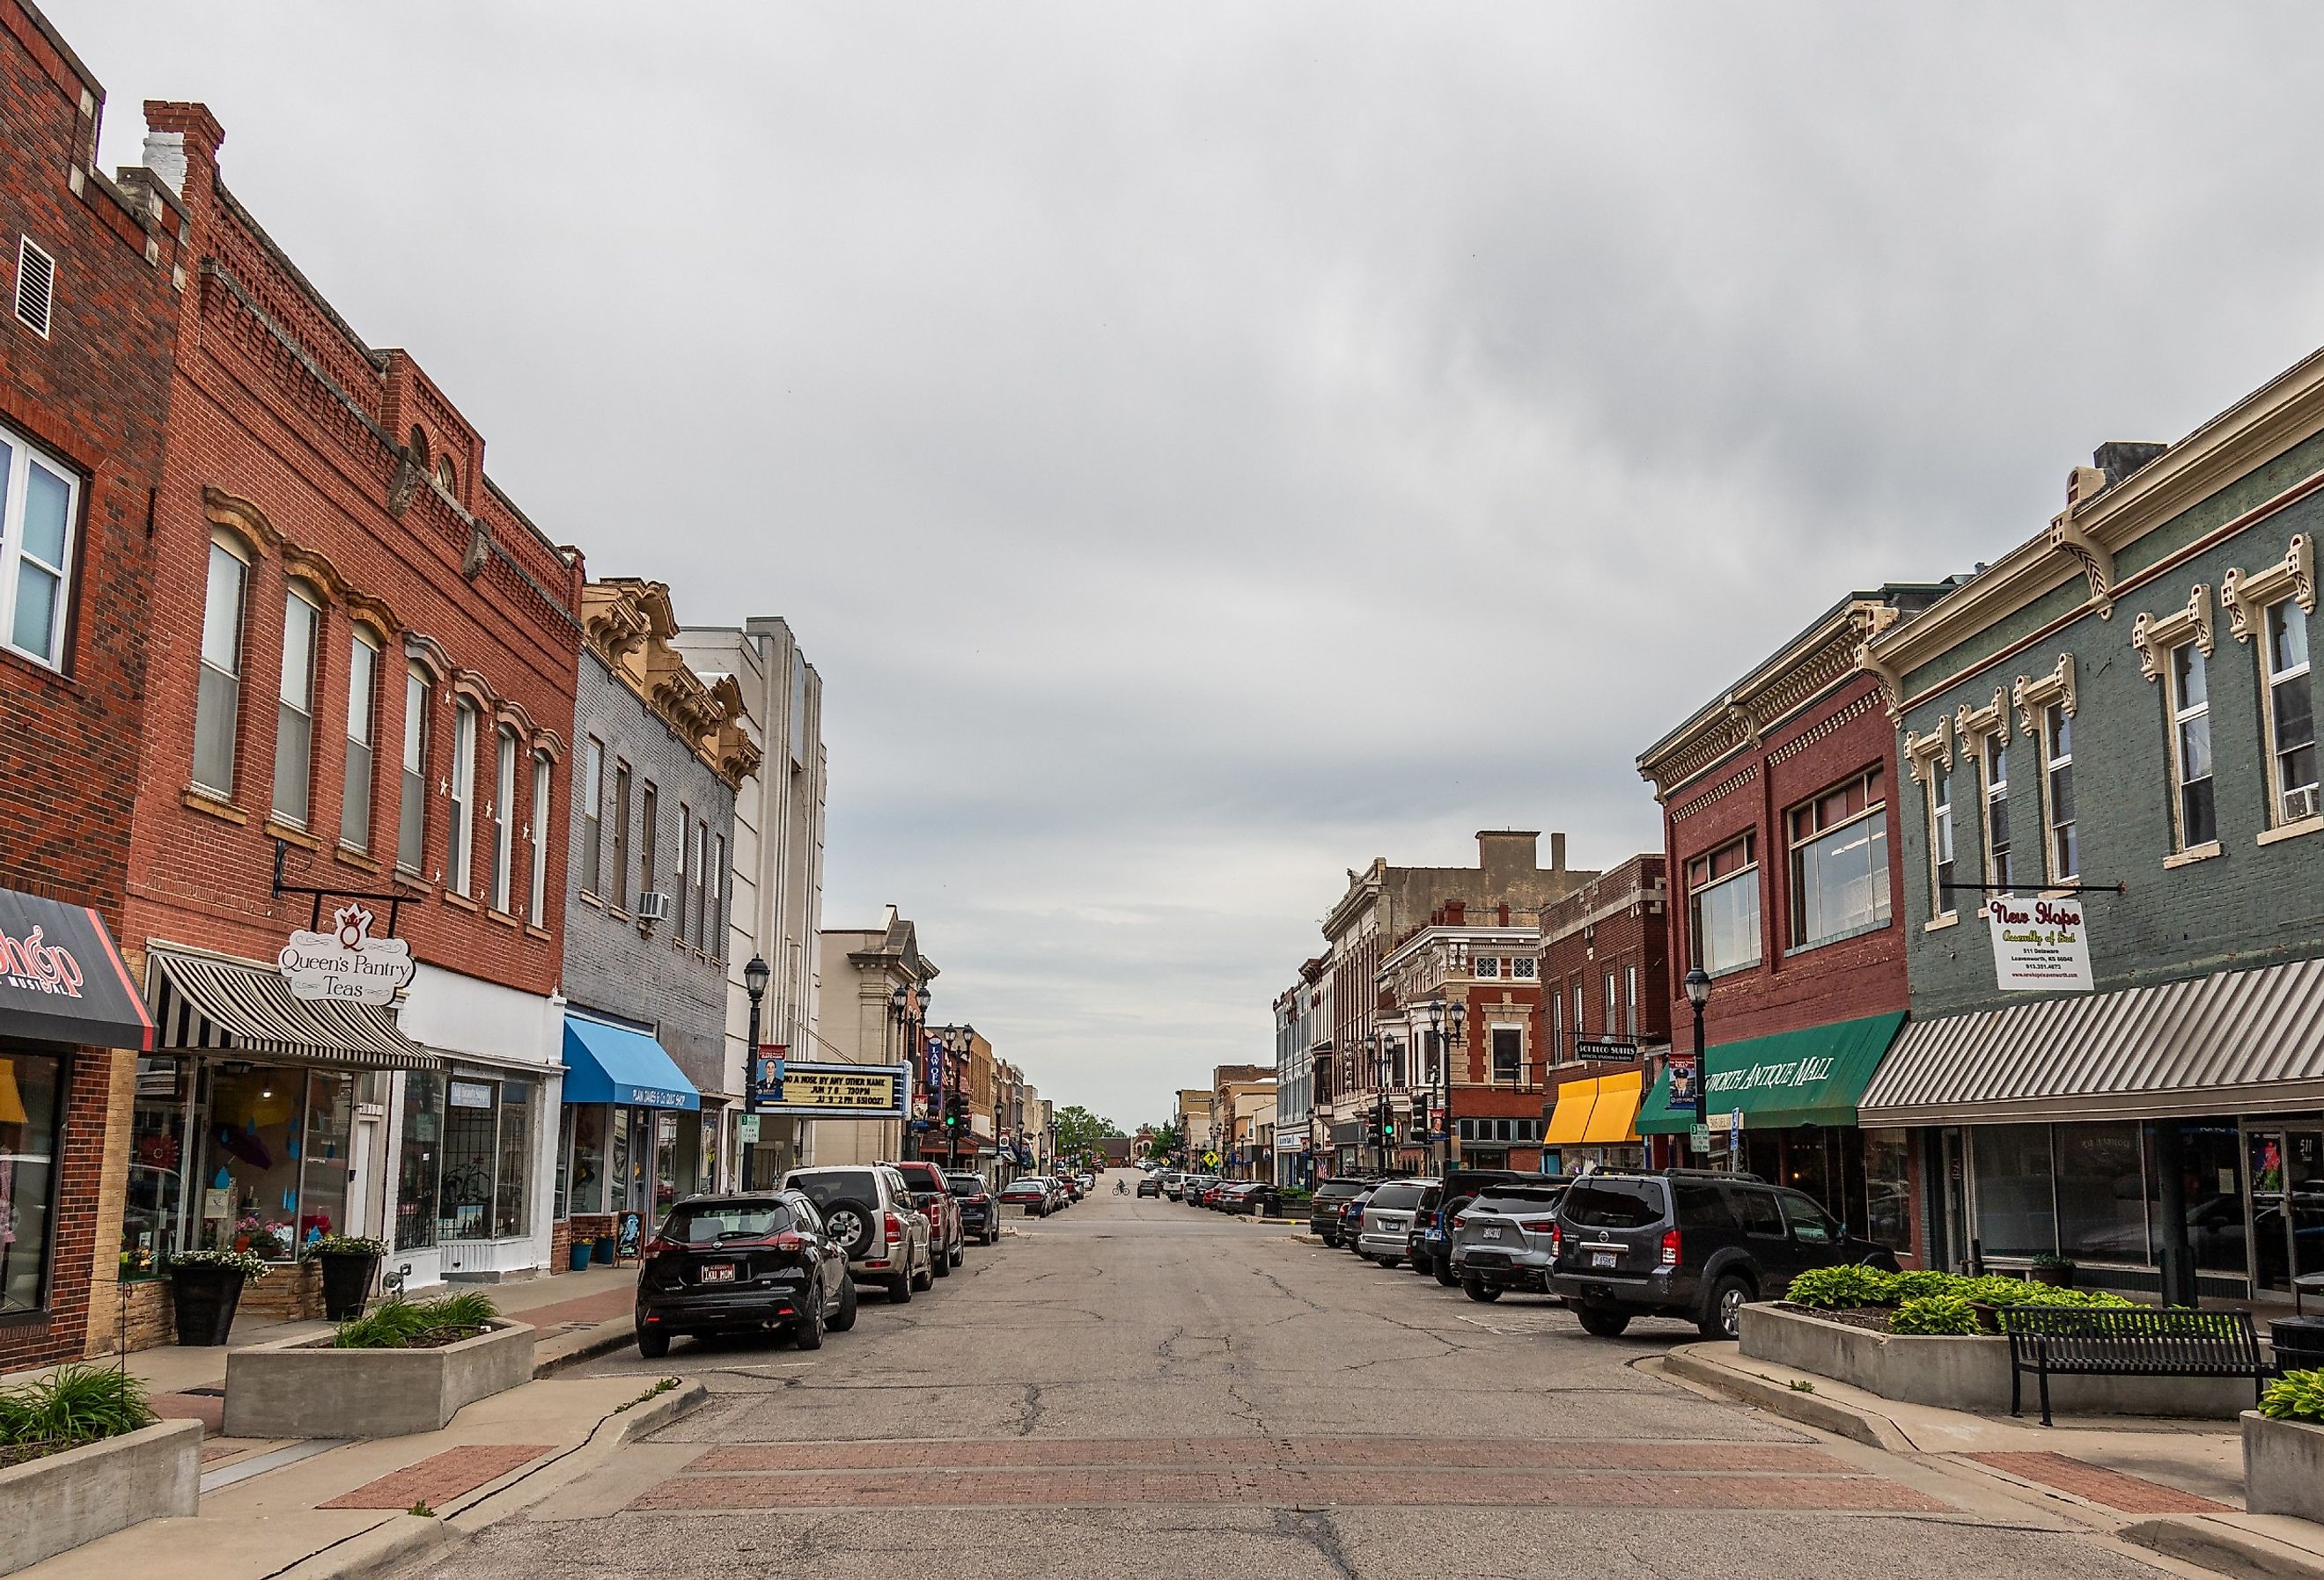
1940	789
412	812
1508	1053
1630	1003
1485	966
2291	717
537	862
217	704
1997	808
355	788
701	885
1522	966
294	714
1839	861
718	887
1577	1006
648	837
458	848
2063	850
620	894
1613	1005
677	935
1557	1044
1722	903
593	812
502	813
40	505
2195	820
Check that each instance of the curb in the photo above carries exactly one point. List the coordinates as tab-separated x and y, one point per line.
2211	1545
661	1410
1780	1400
385	1548
601	1340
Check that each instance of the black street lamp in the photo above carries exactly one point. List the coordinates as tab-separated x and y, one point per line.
1698	994
1445	1022
754	983
1380	1097
958	1039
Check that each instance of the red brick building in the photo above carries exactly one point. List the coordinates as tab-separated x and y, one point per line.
1780	815
361	662
87	274
1605	1011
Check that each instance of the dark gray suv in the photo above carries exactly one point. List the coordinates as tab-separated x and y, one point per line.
1690	1244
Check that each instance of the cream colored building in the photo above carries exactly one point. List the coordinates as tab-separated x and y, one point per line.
862	969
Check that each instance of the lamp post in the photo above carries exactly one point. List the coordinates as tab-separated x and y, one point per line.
909	1006
1445	1022
957	1040
1698	994
754	983
1372	1057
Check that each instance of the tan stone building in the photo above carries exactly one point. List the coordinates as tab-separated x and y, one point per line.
869	975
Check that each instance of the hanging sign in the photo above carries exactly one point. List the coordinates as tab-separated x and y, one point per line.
347	964
1605	1048
2040	945
1681	1081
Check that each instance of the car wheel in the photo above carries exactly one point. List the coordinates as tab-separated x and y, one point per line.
960	1251
926	1278
1363	1256
942	1265
1330	1241
1444	1271
1723	1317
653	1343
1390	1262
1603	1321
992	1236
1419	1264
844	1317
1478	1289
900	1290
853	1225
806	1327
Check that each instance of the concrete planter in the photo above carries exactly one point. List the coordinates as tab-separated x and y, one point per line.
303	1388
1969	1373
2283	1466
55	1504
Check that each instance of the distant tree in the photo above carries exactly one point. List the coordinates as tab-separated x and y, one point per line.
1163	1142
1080	1133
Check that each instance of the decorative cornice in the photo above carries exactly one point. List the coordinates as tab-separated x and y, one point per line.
2032	696
242	518
2068	535
2294	576
2154	636
1923	752
1716	793
429	655
1973	725
629	624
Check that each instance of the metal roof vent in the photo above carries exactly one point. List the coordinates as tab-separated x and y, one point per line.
36	286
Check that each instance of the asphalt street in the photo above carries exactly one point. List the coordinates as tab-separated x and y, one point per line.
1134	1387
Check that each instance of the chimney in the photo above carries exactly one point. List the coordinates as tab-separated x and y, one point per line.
1456	912
1506	854
165	156
1557	853
182	145
2118	458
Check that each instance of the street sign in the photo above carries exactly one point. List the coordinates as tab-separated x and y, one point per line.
1735	1131
1701	1138
1604	1048
1210	1159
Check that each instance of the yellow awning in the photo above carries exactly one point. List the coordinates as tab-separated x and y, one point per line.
1571	1118
1612	1120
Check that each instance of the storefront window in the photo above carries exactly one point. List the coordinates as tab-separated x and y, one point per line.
1887	1189
2014	1214
2101	1194
419	1154
250	1197
587	1170
511	1192
31	1086
323	1152
2214	1196
156	1198
665	1133
471	1140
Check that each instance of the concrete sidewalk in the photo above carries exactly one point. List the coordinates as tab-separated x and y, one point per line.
2174	1486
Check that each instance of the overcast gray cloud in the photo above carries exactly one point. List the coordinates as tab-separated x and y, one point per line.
1205	446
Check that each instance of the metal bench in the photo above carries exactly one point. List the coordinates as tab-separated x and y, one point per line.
2078	1342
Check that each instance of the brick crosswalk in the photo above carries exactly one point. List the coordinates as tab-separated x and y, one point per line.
441	1477
1276	1471
2111	1489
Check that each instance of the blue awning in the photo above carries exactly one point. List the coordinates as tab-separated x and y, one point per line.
612	1064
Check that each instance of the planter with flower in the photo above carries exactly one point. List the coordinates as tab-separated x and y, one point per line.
349	1263
82	1455
408	1366
206	1285
2284	1448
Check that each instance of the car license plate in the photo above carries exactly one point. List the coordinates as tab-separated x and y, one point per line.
718	1272
1601	1259
1492	1234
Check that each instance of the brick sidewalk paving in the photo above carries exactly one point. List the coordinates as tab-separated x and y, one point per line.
441	1477
1210	1452
2110	1489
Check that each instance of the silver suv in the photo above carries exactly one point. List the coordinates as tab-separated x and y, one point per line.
1385	1235
868	1208
1504	1240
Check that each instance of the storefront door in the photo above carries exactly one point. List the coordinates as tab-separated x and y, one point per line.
2286	1170
1955	1252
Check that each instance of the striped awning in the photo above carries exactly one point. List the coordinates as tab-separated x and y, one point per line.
207	1002
2234	1042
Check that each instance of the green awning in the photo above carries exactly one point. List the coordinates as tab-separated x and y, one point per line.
1814	1076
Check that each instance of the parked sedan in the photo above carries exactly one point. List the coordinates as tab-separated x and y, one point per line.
979	1213
1033	1192
1259	1199
752	1262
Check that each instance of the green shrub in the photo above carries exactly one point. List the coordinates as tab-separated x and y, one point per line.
1838	1288
1948	1315
1923	1282
2296	1396
399	1324
74	1404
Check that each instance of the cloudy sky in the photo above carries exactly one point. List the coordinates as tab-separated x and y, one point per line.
1203	446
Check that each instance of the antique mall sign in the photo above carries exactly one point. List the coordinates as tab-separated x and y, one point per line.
348	964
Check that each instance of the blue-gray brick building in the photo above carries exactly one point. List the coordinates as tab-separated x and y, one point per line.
2116	719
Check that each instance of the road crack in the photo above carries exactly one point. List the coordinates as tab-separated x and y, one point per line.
1319	1530
1029	1417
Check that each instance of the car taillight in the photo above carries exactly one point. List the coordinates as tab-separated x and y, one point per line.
1539	1225
660	1244
1557	1239
1670	1248
1461	1220
788	1240
895	1225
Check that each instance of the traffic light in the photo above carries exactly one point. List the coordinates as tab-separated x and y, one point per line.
956	1110
1388	1127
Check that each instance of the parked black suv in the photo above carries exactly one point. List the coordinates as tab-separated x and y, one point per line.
1331	1199
979	1213
757	1261
1689	1243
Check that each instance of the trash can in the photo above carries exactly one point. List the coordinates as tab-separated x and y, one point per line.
2299	1343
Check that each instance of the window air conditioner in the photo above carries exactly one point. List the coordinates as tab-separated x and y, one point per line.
2300	803
653	905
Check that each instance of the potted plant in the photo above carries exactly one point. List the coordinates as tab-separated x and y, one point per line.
349	1263
205	1287
2057	1271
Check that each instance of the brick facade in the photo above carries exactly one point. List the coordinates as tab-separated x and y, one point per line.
1617	926
92	394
